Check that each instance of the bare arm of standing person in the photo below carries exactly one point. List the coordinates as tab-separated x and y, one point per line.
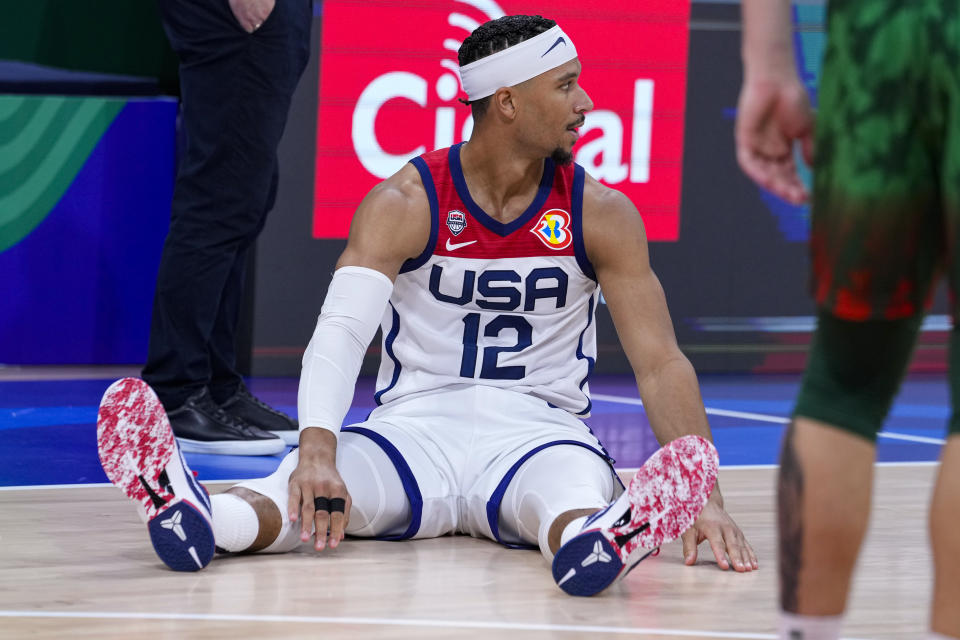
773	110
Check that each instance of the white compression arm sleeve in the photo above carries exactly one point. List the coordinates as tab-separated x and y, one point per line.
348	321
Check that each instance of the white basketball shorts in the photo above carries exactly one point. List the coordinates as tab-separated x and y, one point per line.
478	460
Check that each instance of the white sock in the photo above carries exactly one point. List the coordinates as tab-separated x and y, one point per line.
938	636
573	528
235	523
797	627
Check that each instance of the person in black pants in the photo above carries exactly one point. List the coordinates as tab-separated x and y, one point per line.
240	61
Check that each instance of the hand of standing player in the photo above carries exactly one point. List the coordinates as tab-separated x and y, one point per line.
772	113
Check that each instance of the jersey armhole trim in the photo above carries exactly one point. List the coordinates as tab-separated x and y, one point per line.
388	347
576	206
427	178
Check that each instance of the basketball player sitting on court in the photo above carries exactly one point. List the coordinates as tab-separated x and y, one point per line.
482	264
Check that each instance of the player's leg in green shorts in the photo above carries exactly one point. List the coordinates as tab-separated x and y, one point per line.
945	506
877	244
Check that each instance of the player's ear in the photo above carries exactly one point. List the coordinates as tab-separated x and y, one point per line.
505	102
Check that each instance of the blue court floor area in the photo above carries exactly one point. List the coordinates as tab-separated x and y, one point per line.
48	428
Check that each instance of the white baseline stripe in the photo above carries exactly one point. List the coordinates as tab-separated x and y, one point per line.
760	417
456	624
752	467
890	435
87	485
710	412
34	487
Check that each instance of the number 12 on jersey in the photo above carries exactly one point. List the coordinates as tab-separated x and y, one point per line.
489	368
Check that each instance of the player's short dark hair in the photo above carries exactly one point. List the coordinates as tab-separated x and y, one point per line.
497	35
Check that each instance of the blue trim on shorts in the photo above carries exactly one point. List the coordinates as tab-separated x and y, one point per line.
388	346
409	481
582	356
427	178
493	505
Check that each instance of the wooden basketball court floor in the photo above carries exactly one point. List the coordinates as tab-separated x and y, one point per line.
76	562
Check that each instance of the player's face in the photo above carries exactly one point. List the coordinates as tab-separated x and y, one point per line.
557	111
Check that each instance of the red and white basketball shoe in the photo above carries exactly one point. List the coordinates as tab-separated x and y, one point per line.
663	500
140	455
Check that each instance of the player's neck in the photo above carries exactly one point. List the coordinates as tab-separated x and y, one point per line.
501	182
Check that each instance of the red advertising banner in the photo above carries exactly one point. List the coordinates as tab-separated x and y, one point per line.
389	90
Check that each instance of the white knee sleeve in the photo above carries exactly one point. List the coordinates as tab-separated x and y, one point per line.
556	480
380	505
275	488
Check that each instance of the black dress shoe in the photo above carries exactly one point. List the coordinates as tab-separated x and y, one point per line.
250	409
203	427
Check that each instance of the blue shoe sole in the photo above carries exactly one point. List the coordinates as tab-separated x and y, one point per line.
578	579
182	538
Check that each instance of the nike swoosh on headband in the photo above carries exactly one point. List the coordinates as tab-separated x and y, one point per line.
559	40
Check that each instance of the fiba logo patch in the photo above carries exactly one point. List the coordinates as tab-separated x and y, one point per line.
456	222
553	229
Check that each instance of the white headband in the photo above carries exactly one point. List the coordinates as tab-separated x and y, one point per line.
515	64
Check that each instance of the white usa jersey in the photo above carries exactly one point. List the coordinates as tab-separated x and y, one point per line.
504	305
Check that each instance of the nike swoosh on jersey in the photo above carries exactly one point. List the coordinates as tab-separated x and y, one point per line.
453	247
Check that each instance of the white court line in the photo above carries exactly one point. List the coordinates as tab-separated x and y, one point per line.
89	485
401	622
760	417
890	435
710	412
762	467
85	485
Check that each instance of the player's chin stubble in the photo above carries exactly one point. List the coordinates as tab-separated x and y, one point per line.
561	156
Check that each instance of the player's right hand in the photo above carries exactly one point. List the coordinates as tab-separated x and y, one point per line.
316	476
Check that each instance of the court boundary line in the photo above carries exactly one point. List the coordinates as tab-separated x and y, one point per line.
766	467
233	481
400	622
761	417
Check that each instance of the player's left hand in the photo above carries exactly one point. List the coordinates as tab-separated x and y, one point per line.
729	545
